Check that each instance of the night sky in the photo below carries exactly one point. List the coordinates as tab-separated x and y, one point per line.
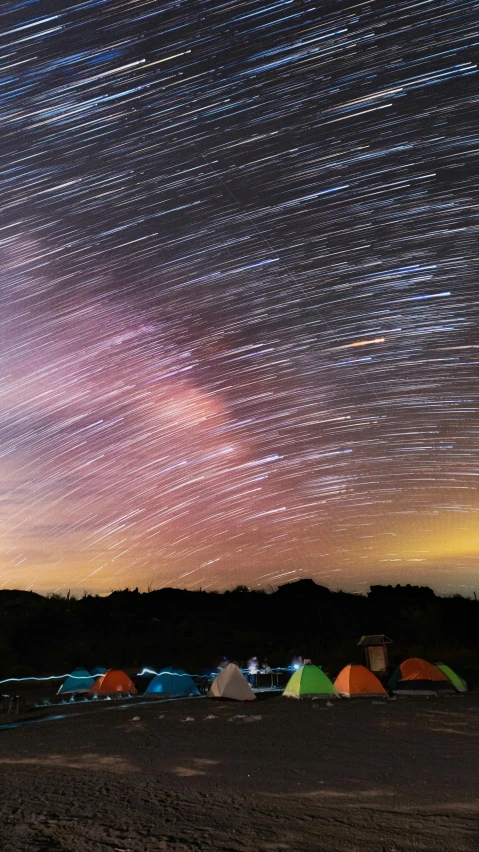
239	300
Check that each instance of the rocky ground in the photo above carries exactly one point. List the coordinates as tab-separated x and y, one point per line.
276	774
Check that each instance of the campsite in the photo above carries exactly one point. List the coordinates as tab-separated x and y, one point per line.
144	775
307	756
98	764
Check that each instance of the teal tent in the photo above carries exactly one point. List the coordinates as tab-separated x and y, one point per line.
78	681
172	682
99	670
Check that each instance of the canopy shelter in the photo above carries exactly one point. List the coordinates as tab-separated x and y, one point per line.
79	680
355	681
457	681
418	677
310	682
174	682
113	681
231	683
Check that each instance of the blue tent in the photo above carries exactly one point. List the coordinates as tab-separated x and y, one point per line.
99	670
172	682
78	681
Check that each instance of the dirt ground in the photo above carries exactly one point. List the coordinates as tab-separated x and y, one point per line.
264	776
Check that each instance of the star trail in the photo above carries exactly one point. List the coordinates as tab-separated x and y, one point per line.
239	303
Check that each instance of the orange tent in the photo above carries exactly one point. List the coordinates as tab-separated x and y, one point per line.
417	676
358	680
417	669
112	681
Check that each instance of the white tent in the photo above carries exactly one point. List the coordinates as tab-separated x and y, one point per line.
231	683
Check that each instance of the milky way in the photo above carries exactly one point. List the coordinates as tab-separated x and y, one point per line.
239	305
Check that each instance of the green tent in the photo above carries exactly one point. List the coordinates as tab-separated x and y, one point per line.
310	682
458	682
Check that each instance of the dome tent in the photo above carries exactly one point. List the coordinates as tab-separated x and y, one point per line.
79	680
99	670
356	681
457	681
309	682
113	681
175	682
231	683
416	676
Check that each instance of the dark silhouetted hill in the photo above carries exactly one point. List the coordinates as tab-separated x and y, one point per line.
43	635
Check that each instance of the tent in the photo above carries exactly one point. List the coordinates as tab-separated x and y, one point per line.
231	683
112	681
418	677
78	681
310	682
457	681
99	670
172	682
358	680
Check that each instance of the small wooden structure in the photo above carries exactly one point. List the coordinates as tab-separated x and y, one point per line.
376	651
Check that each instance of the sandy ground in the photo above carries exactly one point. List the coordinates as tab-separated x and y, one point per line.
356	776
